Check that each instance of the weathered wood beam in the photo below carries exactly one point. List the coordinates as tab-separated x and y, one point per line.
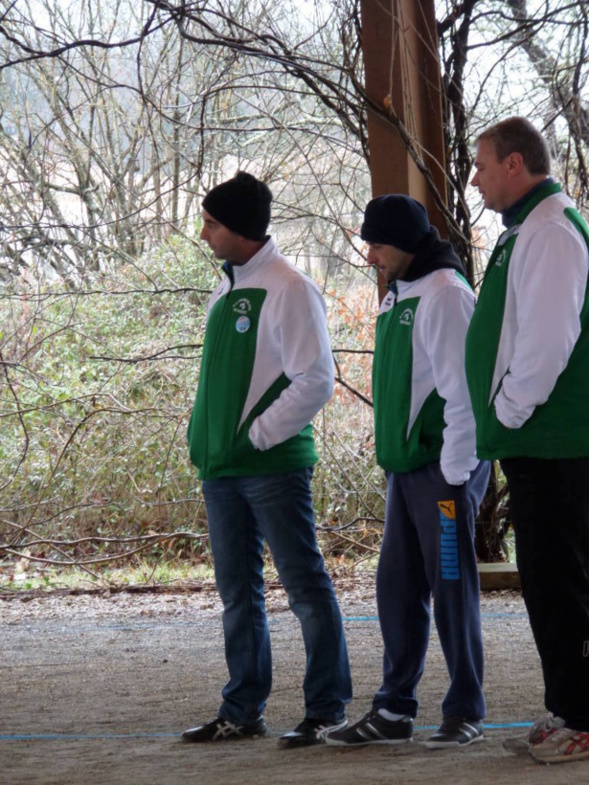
402	72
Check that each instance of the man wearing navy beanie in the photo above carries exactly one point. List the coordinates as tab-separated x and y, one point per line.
266	371
425	442
395	219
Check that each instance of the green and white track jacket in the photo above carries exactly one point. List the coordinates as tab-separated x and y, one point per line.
266	370
421	404
527	352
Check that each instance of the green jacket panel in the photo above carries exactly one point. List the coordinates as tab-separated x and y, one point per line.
218	446
397	448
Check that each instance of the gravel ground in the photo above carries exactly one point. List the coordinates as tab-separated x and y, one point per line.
97	688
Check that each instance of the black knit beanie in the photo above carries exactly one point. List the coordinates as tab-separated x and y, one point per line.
395	219
242	204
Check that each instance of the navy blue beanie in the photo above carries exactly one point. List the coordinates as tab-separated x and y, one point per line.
395	219
242	204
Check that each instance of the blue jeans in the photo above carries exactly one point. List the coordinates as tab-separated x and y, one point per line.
243	512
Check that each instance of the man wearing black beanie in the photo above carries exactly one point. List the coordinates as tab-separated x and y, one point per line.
266	371
425	442
241	205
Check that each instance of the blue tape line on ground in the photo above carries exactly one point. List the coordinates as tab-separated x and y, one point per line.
82	736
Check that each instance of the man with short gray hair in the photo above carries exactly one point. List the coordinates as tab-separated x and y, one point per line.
527	364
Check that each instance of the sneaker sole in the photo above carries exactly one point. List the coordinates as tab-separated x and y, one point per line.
367	743
251	736
559	758
290	744
444	745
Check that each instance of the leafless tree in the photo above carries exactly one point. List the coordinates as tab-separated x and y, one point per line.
116	117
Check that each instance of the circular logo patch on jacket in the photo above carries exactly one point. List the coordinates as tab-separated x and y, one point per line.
243	324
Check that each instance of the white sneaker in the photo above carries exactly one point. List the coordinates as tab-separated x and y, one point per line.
561	746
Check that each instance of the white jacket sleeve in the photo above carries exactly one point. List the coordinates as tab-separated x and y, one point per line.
549	283
447	320
301	329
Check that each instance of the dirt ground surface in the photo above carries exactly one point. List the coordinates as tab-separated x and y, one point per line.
96	690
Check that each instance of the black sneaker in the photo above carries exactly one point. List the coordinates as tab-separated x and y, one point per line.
310	731
223	730
456	732
373	728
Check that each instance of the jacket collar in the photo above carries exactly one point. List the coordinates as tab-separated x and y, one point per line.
512	214
241	272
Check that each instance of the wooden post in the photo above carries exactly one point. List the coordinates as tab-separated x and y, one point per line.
399	41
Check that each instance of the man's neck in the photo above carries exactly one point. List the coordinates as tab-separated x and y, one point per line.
249	250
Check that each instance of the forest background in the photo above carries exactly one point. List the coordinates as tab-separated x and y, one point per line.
116	118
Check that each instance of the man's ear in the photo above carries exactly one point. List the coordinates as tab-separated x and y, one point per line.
514	164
